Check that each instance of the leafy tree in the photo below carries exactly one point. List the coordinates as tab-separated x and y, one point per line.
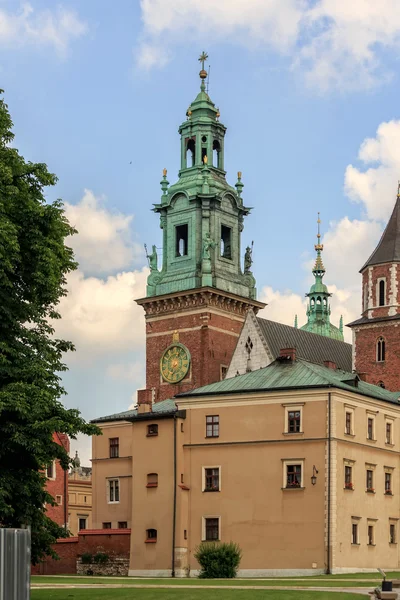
34	263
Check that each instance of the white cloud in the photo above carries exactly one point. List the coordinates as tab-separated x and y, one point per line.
54	28
100	316
128	371
376	186
103	242
335	43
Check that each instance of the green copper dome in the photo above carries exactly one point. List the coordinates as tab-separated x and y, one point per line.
319	310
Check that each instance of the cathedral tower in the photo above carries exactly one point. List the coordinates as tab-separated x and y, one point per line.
319	310
198	297
376	335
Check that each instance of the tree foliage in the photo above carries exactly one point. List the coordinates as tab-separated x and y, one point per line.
34	263
218	560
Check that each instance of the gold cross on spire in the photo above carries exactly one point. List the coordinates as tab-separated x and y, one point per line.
318	245
202	58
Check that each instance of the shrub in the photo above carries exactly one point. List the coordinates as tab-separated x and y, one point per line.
218	560
86	558
100	558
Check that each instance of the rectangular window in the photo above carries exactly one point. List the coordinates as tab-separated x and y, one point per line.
371	541
354	533
226	242
51	470
181	243
388	484
122	525
293	476
348	477
114	447
392	533
82	523
223	373
212	529
388	432
59	500
212	426
370	480
211	479
382	291
348	428
294	423
152	430
370	428
107	525
113	490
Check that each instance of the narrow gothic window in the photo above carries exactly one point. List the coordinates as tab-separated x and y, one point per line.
380	350
190	153
382	292
226	242
365	297
203	154
181	244
216	154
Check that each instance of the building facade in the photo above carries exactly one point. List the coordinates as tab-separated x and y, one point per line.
298	463
57	485
79	498
376	338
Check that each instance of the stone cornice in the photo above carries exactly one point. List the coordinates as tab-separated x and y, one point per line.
206	297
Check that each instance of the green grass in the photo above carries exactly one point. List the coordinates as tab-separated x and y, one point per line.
318	582
128	594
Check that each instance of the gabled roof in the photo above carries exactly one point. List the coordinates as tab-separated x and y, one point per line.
388	249
159	408
309	346
298	374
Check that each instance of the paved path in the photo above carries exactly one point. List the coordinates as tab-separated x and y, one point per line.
94	586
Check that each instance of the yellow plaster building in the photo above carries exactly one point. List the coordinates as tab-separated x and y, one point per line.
296	462
79	498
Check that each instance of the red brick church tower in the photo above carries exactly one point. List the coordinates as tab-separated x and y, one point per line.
198	298
376	335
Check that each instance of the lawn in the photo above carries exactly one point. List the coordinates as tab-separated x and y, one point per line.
169	594
132	582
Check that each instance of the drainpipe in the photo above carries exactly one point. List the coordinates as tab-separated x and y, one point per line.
328	554
65	502
174	506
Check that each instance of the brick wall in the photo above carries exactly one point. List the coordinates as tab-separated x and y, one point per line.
387	371
58	485
116	543
210	338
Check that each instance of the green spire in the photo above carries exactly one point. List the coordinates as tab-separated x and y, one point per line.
318	310
201	215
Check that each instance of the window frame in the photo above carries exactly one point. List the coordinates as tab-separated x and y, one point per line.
150	537
291	463
54	473
369	480
79	523
122	524
152	430
372	417
204	520
177	240
107	523
388	478
370	530
228	229
380	349
349	410
293	407
389	421
355	522
378	292
204	478
113	445
150	483
393	523
350	464
212	424
348	485
110	481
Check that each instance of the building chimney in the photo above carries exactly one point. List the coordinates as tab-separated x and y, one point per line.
288	354
144	399
330	364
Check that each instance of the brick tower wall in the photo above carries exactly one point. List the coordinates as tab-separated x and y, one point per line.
365	339
210	337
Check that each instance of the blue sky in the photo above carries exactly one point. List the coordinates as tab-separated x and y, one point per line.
309	92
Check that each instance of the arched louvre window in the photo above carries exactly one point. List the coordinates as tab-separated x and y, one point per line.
382	292
380	350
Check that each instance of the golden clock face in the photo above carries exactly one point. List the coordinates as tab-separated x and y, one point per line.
174	363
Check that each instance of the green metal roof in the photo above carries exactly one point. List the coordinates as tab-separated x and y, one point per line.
298	374
158	408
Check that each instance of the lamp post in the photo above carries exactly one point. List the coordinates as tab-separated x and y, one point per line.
314	475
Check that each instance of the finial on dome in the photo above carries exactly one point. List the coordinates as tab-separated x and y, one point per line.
398	189
318	245
203	73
